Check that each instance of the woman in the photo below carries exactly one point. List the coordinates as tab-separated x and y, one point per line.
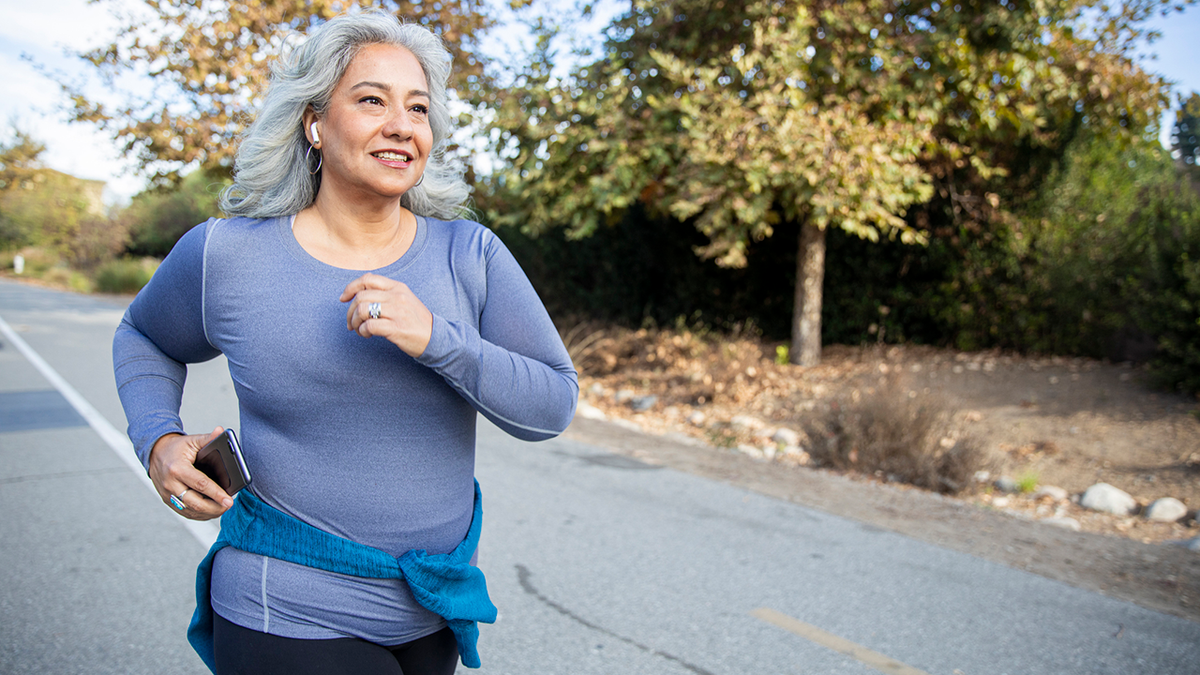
358	390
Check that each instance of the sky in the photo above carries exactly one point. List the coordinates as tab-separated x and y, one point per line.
40	32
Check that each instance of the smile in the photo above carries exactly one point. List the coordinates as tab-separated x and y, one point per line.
390	156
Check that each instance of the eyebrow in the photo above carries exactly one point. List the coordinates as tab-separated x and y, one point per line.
388	88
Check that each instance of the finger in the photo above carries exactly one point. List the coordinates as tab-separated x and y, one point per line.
199	494
360	307
360	312
367	281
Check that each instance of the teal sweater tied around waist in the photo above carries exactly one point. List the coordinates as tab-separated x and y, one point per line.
446	584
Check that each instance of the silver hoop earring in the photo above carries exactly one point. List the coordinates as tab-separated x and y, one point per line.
308	161
419	180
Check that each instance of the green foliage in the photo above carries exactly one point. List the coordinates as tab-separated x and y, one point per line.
158	217
1185	136
51	209
1102	263
21	171
880	118
125	275
1114	257
1027	482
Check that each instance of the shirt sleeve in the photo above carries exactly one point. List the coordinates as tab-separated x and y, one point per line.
514	369
162	330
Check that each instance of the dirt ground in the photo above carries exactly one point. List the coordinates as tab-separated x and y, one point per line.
1068	423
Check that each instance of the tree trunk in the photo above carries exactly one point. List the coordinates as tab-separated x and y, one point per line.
806	314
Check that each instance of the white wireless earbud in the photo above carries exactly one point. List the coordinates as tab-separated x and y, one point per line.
315	135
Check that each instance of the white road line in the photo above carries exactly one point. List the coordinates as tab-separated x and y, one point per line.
838	644
204	532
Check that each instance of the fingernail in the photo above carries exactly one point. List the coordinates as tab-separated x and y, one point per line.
227	502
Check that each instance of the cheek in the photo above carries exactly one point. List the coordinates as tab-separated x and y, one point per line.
426	140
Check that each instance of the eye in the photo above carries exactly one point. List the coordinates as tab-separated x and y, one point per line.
420	109
374	100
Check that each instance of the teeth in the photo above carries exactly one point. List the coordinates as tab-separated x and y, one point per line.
394	156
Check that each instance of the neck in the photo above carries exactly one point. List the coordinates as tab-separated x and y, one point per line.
355	235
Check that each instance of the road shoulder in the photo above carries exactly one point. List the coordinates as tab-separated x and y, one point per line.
1162	577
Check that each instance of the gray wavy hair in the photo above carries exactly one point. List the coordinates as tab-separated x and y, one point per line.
271	171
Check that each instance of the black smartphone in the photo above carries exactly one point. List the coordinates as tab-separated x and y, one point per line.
222	461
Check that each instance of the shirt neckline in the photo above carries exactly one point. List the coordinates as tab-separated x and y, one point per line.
284	227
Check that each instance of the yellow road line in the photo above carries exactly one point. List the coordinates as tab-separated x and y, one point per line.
838	644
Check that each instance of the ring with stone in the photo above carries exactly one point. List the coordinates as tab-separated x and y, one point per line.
373	309
177	500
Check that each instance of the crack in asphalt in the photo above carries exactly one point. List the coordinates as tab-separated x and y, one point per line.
523	577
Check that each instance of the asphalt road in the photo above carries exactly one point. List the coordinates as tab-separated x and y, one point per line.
598	563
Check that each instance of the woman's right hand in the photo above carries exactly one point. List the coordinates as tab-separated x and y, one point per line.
173	471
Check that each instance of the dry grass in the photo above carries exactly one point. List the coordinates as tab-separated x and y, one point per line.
897	437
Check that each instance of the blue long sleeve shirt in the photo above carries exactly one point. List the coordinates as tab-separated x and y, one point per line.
347	434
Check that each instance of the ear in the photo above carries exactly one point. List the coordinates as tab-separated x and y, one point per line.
311	128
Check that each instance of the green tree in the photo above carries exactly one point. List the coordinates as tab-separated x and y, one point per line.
1112	264
158	217
43	207
201	65
21	170
1185	136
884	118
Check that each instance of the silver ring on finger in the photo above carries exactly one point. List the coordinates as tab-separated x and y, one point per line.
177	500
373	309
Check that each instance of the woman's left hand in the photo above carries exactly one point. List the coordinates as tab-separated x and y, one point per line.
403	318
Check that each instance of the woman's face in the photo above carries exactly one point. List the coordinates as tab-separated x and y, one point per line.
375	137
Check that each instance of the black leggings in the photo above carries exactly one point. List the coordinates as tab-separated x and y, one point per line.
241	651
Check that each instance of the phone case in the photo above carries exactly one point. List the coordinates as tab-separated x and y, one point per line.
222	461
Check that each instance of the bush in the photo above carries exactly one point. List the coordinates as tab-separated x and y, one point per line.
898	437
64	277
1116	261
38	261
125	275
158	217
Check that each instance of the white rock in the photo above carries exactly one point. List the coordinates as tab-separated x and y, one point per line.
1064	522
1052	491
769	452
744	423
1006	484
596	389
624	395
764	433
628	424
696	419
1106	498
1166	510
786	437
750	450
1000	502
589	412
982	476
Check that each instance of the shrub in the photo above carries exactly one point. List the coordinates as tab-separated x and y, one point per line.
1027	482
38	261
125	275
899	437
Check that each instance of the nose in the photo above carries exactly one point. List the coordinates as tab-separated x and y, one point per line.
399	126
